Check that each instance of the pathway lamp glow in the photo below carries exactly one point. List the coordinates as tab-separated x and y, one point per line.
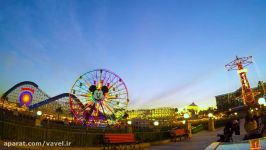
210	115
129	122
211	122
188	125
156	123
261	101
186	115
183	121
39	113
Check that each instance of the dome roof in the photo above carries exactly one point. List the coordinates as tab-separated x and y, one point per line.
193	104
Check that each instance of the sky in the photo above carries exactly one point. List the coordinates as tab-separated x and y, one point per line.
169	53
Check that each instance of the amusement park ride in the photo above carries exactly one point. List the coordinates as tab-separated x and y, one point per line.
99	97
239	64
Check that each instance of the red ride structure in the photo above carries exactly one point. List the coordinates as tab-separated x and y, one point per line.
239	64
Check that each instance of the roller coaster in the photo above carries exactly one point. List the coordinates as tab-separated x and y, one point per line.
38	99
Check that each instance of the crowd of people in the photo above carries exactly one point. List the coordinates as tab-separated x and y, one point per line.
231	127
253	126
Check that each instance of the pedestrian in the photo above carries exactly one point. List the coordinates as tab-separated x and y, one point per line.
250	123
236	127
228	131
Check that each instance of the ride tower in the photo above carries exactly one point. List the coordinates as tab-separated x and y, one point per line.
239	64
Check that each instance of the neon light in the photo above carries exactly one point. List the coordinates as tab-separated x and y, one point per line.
242	70
25	98
27	89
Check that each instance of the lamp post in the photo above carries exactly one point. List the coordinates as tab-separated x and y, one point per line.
156	124
39	113
211	122
188	125
210	115
129	129
129	122
186	116
39	118
261	102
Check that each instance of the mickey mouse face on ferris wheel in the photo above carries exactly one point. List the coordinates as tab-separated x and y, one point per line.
98	94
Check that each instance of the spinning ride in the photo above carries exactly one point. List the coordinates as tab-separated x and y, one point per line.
239	64
99	97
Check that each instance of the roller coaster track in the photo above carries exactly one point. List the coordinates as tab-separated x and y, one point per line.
21	84
49	100
43	102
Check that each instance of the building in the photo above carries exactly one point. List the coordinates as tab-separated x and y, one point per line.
157	113
165	116
193	109
234	99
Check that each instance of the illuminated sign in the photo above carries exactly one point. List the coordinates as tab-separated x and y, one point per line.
25	97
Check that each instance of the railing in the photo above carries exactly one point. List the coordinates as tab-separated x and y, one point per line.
22	128
14	132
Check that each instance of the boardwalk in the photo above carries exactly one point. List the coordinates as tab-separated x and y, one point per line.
199	141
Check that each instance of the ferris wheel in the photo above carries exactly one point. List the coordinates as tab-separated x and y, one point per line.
99	97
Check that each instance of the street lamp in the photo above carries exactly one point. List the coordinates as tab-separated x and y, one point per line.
261	101
129	129
186	115
39	118
129	122
211	122
188	125
183	121
39	113
210	115
156	123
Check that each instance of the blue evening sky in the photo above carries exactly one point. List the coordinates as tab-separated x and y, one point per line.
168	52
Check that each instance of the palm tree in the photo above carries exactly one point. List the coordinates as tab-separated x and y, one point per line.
59	111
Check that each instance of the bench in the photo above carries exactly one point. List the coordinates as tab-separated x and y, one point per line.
114	140
178	133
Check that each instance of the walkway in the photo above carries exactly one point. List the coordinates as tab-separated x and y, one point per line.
199	141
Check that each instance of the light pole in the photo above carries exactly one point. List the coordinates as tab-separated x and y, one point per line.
39	113
188	125
261	102
129	129
186	116
39	118
156	124
211	122
210	115
129	122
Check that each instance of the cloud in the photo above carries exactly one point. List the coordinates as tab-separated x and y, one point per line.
182	94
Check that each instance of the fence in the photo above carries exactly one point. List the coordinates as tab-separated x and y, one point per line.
22	128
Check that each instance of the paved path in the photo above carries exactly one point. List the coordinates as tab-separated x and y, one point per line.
199	141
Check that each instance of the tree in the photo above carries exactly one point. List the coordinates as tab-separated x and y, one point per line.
58	111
